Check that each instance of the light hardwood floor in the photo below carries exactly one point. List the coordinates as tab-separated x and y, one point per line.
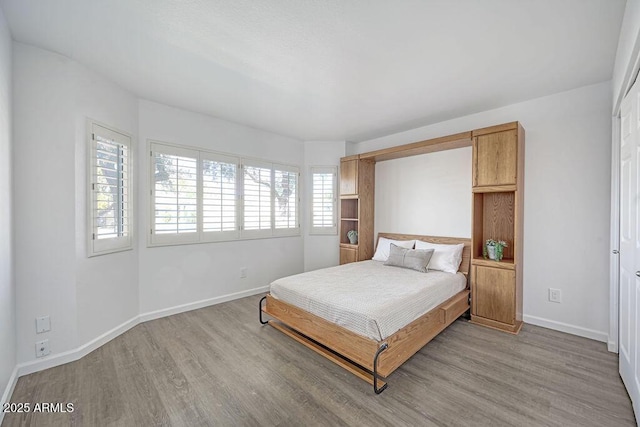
219	366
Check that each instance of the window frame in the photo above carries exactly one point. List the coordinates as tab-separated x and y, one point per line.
95	246
333	230
201	236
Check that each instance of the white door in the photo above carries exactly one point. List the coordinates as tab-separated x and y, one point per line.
630	244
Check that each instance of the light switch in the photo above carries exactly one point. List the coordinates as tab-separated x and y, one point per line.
43	324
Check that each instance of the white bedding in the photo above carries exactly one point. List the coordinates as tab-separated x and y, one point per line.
367	297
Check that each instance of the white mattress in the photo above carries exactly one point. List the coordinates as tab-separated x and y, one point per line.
368	297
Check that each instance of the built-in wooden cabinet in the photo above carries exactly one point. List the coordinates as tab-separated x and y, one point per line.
495	294
495	158
498	194
348	254
349	177
357	178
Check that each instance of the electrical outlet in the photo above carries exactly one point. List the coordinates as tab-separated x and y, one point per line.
42	348
243	272
43	324
555	295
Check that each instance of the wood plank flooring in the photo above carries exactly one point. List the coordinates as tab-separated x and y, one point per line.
219	366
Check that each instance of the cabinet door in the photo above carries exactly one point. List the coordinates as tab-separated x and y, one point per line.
348	255
494	294
349	177
495	157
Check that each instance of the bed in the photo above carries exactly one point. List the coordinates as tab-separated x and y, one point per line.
367	317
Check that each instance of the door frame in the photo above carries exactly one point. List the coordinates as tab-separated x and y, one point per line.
630	74
614	257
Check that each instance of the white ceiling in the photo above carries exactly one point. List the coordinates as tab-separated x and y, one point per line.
350	69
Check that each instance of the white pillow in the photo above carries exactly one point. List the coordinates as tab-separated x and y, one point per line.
445	258
384	245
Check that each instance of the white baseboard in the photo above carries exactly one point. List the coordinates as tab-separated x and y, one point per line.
565	327
612	346
79	352
8	391
151	315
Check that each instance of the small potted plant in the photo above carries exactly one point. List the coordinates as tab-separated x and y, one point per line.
494	249
353	237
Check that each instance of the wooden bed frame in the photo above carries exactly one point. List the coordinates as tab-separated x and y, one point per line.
367	358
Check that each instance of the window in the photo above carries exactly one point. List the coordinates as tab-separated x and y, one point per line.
286	198
109	190
257	199
175	187
201	196
323	200
270	194
219	196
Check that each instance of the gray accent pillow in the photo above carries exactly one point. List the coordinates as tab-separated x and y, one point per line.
415	259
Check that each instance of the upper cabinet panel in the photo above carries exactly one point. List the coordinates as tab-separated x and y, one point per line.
348	177
495	158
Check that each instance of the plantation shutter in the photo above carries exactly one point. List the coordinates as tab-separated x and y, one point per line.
219	197
257	200
323	201
202	196
174	194
286	200
110	198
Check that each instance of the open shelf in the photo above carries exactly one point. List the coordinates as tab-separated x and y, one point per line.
348	218
493	218
506	263
348	208
345	226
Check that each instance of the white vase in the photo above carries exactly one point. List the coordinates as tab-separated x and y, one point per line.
491	251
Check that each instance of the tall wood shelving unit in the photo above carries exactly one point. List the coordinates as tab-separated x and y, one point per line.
498	196
497	202
357	178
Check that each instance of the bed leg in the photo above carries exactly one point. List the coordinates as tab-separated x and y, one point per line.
264	322
377	390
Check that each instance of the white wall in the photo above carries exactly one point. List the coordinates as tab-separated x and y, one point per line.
84	297
91	300
199	274
320	251
107	285
7	283
427	194
566	213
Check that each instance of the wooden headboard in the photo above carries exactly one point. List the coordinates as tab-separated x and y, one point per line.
466	252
